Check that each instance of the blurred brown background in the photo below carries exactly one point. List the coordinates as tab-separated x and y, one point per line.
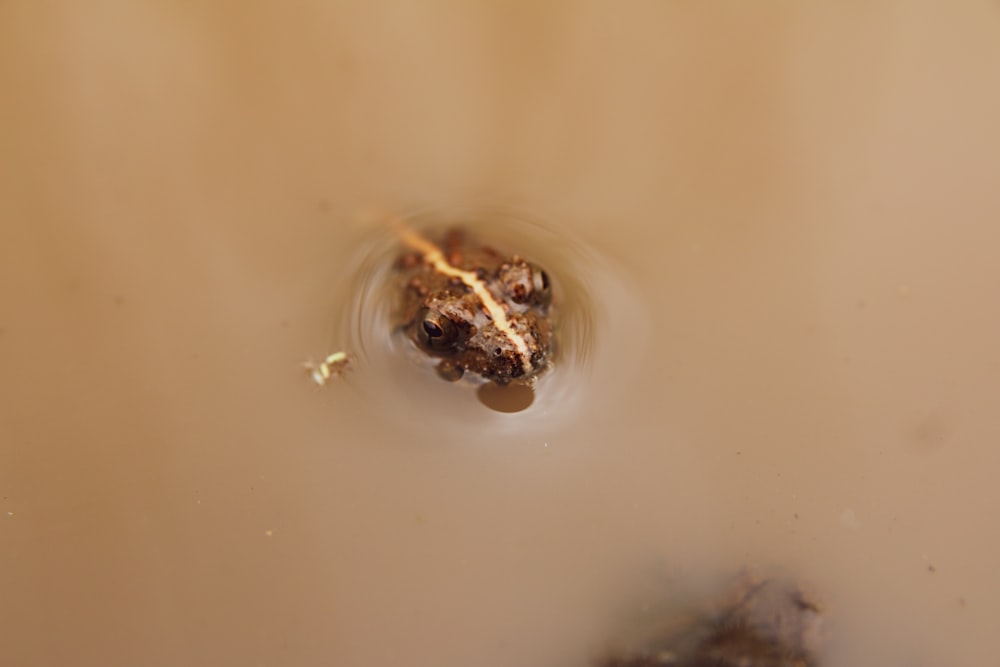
806	197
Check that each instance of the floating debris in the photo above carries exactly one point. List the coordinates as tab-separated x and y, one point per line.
333	365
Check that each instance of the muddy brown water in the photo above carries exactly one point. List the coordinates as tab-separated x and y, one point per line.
797	208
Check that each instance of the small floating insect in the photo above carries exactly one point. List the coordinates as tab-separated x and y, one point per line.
334	365
473	308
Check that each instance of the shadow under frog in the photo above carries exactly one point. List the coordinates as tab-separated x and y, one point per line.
473	309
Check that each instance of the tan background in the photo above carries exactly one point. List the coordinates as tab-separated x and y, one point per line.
808	201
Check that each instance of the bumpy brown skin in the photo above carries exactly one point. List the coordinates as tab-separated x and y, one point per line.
479	346
769	625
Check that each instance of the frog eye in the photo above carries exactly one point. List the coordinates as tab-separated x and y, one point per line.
436	330
540	284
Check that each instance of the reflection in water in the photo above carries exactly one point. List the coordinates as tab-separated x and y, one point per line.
508	398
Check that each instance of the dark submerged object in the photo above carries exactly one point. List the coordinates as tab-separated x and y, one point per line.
769	625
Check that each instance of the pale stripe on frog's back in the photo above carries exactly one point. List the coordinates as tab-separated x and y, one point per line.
434	256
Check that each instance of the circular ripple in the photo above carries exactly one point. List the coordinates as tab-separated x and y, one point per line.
599	326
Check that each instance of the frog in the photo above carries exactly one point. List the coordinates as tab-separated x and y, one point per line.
476	312
762	622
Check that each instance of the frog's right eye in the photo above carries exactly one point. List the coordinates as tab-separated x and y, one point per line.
435	329
540	284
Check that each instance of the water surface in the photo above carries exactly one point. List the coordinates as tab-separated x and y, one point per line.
783	221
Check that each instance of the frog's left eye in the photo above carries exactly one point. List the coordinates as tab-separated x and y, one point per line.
435	329
540	284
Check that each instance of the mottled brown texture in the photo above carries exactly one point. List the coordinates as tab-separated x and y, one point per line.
470	340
